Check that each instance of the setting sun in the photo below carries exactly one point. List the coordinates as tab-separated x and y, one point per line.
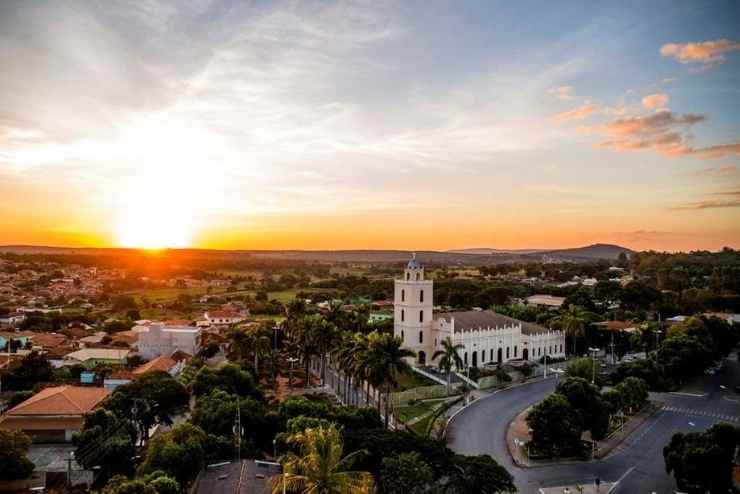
154	222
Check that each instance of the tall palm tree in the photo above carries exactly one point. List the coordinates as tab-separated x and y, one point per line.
573	322
319	468
387	360
262	344
240	343
450	357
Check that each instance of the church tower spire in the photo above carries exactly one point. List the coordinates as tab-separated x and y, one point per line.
413	310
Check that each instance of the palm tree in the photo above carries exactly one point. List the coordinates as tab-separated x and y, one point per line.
262	344
387	360
450	357
240	343
573	322
319	468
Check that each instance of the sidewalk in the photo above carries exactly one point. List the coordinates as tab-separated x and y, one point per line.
604	488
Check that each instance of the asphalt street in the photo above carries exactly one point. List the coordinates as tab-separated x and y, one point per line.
637	463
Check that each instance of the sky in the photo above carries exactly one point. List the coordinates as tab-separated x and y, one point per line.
381	125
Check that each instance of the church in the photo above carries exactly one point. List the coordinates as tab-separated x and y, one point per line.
487	337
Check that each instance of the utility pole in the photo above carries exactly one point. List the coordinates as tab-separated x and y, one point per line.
545	366
238	431
70	459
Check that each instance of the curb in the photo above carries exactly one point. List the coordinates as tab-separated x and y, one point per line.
465	407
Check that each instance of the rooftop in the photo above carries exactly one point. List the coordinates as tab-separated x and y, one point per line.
474	319
61	400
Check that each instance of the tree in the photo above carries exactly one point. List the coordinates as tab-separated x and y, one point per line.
14	462
480	474
386	361
27	372
406	473
155	397
230	378
104	441
633	393
702	461
180	453
583	368
449	356
573	323
556	427
584	399
319	466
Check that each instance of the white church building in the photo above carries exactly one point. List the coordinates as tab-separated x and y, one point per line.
487	337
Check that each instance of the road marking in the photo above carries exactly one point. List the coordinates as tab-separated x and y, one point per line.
629	470
702	413
693	395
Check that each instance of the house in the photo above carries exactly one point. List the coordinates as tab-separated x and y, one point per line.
53	414
173	365
91	357
545	301
165	340
224	317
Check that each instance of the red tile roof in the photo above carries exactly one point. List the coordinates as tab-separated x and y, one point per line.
60	400
160	363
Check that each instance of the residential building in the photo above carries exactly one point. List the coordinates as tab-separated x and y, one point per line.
91	357
223	317
165	340
53	414
545	301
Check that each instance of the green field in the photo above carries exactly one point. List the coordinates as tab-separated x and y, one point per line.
412	380
163	295
411	411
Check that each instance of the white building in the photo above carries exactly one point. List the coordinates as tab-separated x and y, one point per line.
223	317
487	337
165	340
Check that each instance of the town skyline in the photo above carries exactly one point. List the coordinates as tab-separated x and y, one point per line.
370	126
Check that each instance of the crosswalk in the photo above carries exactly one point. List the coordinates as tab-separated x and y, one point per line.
701	413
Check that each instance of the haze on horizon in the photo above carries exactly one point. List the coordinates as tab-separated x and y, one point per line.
345	125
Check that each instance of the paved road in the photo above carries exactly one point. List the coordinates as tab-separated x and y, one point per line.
637	463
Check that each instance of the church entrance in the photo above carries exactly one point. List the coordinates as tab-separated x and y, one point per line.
525	354
500	355
475	359
422	358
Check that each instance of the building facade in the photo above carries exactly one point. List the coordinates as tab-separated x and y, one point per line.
165	340
487	337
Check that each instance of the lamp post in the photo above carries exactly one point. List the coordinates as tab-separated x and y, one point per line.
593	364
658	332
291	361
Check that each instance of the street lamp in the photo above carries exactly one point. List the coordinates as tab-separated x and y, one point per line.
658	332
291	361
593	351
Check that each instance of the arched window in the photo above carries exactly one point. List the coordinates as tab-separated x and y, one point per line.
403	315
561	348
408	276
421	296
466	358
402	337
403	295
421	336
417	276
491	354
421	316
435	342
515	350
507	352
482	356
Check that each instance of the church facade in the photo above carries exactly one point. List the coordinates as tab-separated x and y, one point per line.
487	337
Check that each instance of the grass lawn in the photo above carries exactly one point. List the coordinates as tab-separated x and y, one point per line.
161	295
421	426
411	411
412	380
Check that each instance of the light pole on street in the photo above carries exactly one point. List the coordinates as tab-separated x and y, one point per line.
593	351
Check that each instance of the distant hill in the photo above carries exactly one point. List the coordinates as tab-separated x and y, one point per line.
462	257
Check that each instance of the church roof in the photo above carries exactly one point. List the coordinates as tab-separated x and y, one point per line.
474	319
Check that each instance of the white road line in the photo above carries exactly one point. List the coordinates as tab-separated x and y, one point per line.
629	470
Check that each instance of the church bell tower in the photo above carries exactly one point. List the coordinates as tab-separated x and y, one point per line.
413	311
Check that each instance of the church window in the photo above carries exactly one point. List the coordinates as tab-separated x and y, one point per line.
417	276
402	338
507	352
561	348
515	350
421	336
408	276
421	296
466	358
403	295
491	354
421	316
435	342
403	315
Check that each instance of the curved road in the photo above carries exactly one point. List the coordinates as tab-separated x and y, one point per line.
637	463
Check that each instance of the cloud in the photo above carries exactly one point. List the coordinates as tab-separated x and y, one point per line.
733	193
669	80
707	53
720	170
655	101
563	92
575	114
665	132
707	205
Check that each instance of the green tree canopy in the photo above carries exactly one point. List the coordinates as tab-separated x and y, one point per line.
14	462
406	473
